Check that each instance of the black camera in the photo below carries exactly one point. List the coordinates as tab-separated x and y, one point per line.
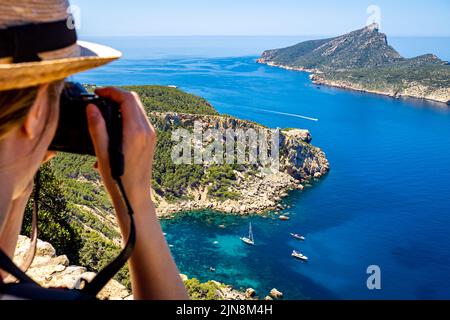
73	136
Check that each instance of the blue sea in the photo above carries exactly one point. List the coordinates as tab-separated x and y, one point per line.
386	201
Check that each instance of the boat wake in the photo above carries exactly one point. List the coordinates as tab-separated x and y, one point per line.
290	115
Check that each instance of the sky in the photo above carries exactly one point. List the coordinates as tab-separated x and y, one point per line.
259	17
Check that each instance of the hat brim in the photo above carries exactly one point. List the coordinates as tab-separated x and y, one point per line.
28	74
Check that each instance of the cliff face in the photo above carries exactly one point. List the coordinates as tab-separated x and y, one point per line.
298	156
255	190
363	60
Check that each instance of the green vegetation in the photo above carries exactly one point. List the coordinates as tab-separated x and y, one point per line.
169	179
397	77
72	231
165	99
219	179
81	181
365	59
54	220
97	251
202	291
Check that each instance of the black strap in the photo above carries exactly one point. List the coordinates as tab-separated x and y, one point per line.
9	266
24	42
106	274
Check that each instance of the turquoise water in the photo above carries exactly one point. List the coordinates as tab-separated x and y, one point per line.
385	202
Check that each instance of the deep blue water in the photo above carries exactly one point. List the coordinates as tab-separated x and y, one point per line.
385	202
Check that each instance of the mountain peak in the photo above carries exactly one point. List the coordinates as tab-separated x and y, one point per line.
366	47
363	60
373	27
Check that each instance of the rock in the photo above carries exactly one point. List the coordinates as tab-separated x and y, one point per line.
50	270
303	135
62	260
45	249
113	291
183	277
274	293
250	293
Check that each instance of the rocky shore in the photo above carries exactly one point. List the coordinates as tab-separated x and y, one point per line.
259	194
258	191
413	90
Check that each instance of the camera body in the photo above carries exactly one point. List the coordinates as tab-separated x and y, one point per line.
72	134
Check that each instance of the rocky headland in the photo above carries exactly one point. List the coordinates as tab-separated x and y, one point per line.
364	61
255	190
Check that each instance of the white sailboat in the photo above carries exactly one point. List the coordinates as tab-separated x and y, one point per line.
249	240
298	236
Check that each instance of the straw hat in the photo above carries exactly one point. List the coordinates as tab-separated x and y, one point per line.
39	45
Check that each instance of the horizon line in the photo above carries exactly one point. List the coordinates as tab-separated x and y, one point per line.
252	35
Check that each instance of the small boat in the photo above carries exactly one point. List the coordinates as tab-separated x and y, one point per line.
216	242
249	240
299	256
173	86
298	237
284	218
211	269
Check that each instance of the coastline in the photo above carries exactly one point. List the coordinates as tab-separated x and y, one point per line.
257	191
259	196
317	78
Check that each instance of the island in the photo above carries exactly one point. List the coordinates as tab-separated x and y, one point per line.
363	60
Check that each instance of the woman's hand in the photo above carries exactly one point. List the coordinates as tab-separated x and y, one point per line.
154	274
139	141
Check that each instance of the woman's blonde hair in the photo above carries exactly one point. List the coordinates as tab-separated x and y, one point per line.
15	105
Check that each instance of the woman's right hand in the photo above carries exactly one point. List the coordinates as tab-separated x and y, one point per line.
139	142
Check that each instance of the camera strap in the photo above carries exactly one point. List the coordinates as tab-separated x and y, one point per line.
92	288
6	264
111	269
